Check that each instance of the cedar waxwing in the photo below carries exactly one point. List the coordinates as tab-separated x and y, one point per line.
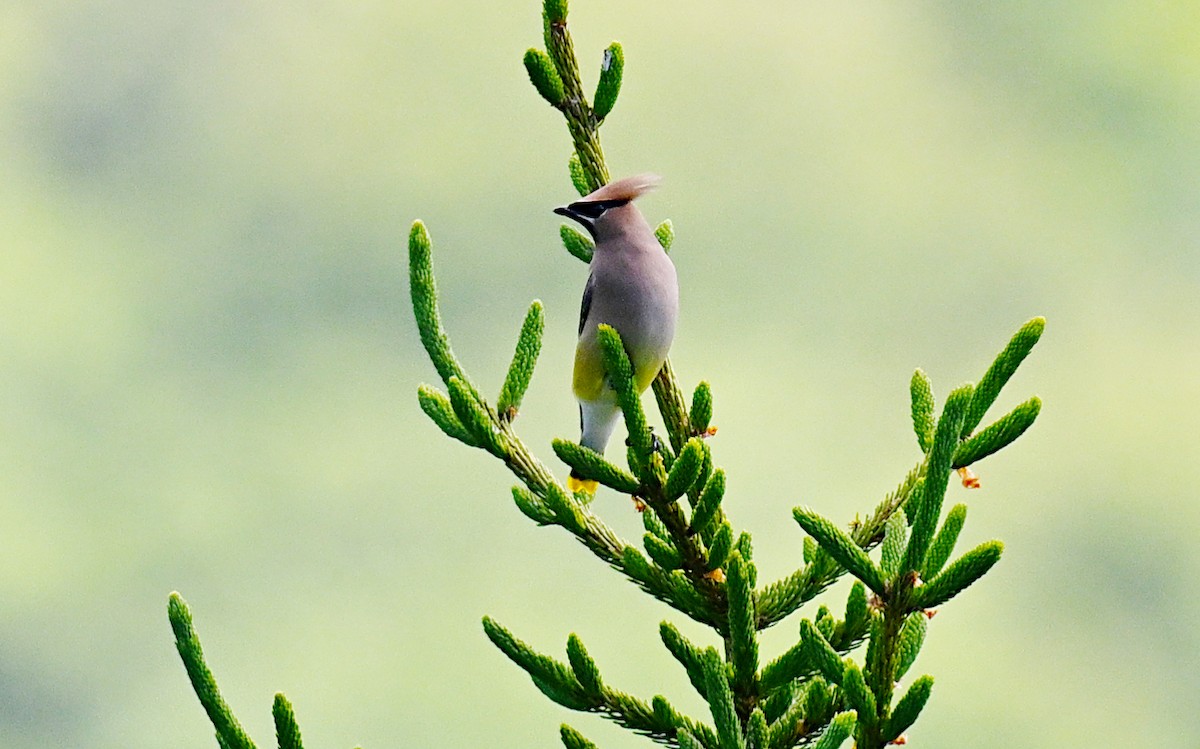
631	287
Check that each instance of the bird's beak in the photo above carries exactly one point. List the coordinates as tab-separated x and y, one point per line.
577	217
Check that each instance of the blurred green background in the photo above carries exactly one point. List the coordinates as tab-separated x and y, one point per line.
209	364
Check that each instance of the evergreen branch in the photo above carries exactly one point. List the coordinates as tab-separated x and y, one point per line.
667	715
702	405
632	713
572	515
609	85
423	288
796	663
825	623
529	345
1000	371
929	509
229	730
958	576
895	535
854	686
838	731
287	732
807	717
999	435
922	409
532	507
554	11
579	687
573	739
745	547
776	703
708	507
757	733
720	702
620	376
869	532
544	77
796	725
673	588
883	657
839	545
665	234
690	656
722	544
908	708
673	407
943	543
662	552
793	665
554	679
579	178
577	243
437	407
857	619
589	464
820	701
687	741
708	529
820	653
809	550
656	484
652	523
743	636
685	470
476	417
781	598
912	637
582	122
691	558
584	667
568	512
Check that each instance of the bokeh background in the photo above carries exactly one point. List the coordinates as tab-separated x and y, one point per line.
208	364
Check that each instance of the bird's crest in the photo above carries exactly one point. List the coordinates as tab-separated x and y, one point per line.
624	189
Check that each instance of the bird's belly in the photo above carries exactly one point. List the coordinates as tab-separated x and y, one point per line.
647	327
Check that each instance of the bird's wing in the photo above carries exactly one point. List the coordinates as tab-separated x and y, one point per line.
587	302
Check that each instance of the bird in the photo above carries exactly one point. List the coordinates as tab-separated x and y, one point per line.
632	286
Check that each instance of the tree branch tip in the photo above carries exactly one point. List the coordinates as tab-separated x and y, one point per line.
178	610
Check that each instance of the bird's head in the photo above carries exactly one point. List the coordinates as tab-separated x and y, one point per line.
602	211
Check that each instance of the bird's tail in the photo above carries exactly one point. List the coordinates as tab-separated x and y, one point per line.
577	483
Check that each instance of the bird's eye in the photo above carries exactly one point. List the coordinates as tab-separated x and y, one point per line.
593	209
589	209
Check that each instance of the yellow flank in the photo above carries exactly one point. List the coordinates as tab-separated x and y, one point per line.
643	377
589	381
582	485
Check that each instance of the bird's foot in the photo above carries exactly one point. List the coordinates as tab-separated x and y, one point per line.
655	442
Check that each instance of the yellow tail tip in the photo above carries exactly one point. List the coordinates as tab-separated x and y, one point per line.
582	485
